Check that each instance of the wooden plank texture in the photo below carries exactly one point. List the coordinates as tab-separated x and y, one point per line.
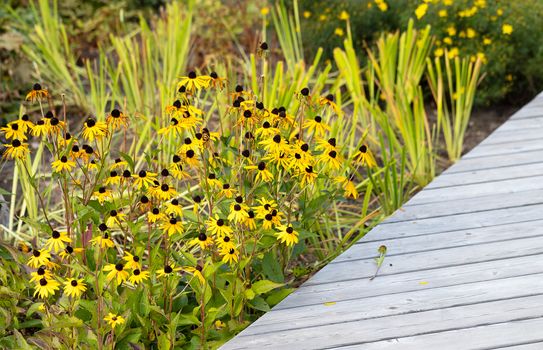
463	270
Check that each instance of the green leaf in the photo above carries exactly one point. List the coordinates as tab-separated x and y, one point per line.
271	268
258	303
249	294
265	286
276	297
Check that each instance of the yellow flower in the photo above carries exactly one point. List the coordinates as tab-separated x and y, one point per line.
114	320
447	40
487	41
46	287
264	11
37	93
57	241
39	258
132	261
453	52
15	130
16	150
203	240
421	10
343	15
287	235
365	157
172	226
442	13
155	215
167	271
218	227
308	176
144	179
507	29
471	33
307	14
382	5
39	274
138	276
116	272
103	241
193	82
229	256
102	195
116	119
438	52
93	129
316	126
331	160
348	186
263	174
451	31
74	287
499	12
63	164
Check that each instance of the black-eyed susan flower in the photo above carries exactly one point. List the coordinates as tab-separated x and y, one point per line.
113	178
41	129
42	272
266	130
116	119
326	145
275	144
46	287
328	100
365	157
132	261
227	191
114	320
118	163
138	276
347	185
213	182
155	215
287	235
172	226
164	192
316	126
173	208
167	271
103	194
39	258
14	131
93	129
115	218
218	227
144	179
203	240
190	158
238	213
117	272
331	160
103	241
63	164
15	150
229	256
262	174
196	272
25	123
57	241
74	287
193	82
307	176
216	81
225	243
249	223
69	252
37	93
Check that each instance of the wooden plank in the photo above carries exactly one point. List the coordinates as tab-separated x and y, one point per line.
391	327
350	269
521	123
376	307
510	149
412	281
486	175
388	230
496	161
497	336
447	207
511	136
502	233
509	187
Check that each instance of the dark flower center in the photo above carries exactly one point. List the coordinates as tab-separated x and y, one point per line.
202	237
246	153
304	91
332	154
192	75
142	173
73	283
261	166
56	234
113	212
119	267
36	87
197	199
156	211
69	250
102	190
264	46
91	122
237	207
363	149
239	199
289	230
36	253
177	104
247	114
168	269
190	153
115	113
213	75
277	138
173	221
16	143
43	282
164	187
137	272
239	88
220	222
318	119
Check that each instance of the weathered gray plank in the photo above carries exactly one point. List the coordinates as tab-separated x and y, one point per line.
496	161
487	175
459	194
348	269
447	207
496	336
390	305
509	149
413	281
390	327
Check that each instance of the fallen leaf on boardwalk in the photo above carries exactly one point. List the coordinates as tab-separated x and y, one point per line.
330	303
423	283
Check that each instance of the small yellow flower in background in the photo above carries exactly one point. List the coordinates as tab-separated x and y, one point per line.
507	29
264	11
447	41
323	18
74	287
339	32
480	3
219	324
16	150
193	82
37	93
442	13
421	10
93	129
365	157
453	52
382	5
471	33
307	14
62	164
114	320
448	2
499	12
487	41
343	15
438	52
451	31
482	57
509	77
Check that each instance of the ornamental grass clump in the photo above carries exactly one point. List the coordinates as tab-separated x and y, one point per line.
182	243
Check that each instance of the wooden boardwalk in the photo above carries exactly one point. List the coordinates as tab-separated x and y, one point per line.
464	268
